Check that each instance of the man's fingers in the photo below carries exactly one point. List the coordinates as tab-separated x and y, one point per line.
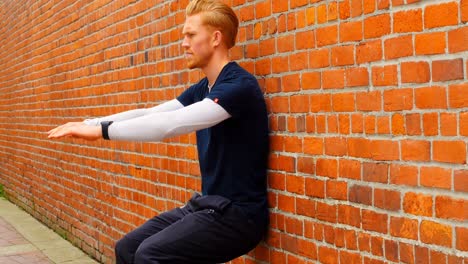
67	125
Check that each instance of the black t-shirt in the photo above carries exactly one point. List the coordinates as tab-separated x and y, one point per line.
233	154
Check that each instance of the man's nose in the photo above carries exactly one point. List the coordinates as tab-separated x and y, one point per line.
185	43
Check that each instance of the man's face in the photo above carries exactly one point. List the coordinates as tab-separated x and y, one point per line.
197	42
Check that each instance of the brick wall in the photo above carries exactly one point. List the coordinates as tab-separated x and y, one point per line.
368	103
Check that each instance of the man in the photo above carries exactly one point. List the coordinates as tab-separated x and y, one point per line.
228	111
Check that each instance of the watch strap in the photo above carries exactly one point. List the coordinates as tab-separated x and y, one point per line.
105	129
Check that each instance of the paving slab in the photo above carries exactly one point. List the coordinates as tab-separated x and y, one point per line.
25	240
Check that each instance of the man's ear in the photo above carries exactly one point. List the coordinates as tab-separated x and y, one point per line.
217	38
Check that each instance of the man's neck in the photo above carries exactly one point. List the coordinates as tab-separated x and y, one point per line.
214	68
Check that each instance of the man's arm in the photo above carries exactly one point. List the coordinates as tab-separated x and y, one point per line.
164	107
154	126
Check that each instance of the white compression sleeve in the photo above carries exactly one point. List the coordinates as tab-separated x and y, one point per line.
164	107
161	125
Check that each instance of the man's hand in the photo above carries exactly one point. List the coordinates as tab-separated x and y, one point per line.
76	130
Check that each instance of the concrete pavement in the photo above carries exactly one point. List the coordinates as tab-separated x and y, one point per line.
24	239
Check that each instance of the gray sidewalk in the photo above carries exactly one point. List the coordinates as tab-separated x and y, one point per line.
23	239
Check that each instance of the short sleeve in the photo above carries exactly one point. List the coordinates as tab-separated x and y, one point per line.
186	97
234	97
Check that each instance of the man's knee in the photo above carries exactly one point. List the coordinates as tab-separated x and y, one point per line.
124	251
146	254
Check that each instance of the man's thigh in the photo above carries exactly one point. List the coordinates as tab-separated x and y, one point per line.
156	224
205	236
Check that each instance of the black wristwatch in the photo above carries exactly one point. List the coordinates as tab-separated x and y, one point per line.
105	129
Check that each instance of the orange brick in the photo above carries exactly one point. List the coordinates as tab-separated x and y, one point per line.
417	204
313	146
463	124
305	40
337	190
430	43
398	99
357	77
333	79
458	39
368	6
327	168
286	203
449	151
350	31
373	221
398	124
385	76
359	147
322	13
319	58
315	188
327	255
406	252
335	146
430	124
377	26
398	47
327	36
326	212
369	51
295	184
344	10
462	242
413	124
349	215
460	180
310	80
387	199
263	66
450	208
351	258
445	14
436	177
458	95
448	124
391	250
464	10
343	102
415	72
364	242
369	124
342	55
279	104
350	169
332	124
415	150
431	97
436	233
299	103
385	150
404	227
276	181
407	21
447	70
369	101
383	125
403	175
306	165
344	124
360	194
320	102
375	172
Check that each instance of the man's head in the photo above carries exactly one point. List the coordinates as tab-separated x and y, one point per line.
217	16
209	31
